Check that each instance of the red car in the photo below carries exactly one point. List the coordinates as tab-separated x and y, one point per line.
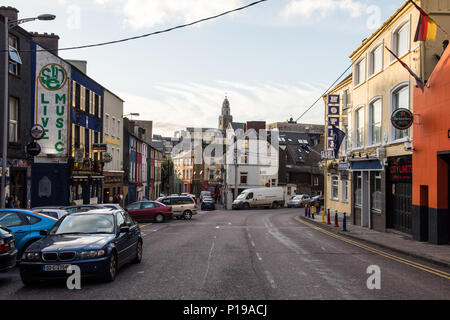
149	210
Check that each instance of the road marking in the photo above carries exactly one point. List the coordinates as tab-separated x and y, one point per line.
259	257
253	244
413	264
209	263
143	225
271	280
249	235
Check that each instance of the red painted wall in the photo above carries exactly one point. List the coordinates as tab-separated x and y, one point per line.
431	136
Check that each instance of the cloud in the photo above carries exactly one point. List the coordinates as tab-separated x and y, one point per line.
149	13
308	8
175	106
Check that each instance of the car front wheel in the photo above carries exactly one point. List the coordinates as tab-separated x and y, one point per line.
111	271
187	215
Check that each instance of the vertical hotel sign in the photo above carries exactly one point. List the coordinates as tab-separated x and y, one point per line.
52	105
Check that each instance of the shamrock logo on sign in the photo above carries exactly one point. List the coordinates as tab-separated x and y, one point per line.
53	76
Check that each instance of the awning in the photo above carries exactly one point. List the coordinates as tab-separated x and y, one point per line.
370	165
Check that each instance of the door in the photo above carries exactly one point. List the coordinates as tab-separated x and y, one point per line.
18	186
134	210
400	202
365	208
122	240
18	225
148	210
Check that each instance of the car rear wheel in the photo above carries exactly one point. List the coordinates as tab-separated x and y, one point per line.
159	218
111	271
138	258
187	215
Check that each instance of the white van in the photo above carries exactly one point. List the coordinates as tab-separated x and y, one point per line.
260	197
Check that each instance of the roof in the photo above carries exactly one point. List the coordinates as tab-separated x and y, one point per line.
237	125
381	28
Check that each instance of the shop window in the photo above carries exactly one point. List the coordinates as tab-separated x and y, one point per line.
334	188
358	189
344	190
376	190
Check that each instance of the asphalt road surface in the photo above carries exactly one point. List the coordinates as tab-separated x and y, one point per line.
255	254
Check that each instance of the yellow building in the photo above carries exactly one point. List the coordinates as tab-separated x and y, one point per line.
379	155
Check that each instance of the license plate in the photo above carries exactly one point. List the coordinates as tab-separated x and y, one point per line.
56	267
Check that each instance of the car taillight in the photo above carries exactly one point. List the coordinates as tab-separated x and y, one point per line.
4	246
195	206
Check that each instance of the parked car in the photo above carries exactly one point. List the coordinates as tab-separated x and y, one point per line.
149	210
208	203
82	207
205	194
193	196
298	201
8	250
99	242
26	226
182	206
260	197
316	199
55	212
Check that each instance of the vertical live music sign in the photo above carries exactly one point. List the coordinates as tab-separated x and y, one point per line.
52	104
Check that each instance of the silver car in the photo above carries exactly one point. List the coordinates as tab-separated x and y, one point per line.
298	201
54	212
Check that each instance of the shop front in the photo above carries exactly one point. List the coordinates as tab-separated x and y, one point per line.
18	182
399	193
368	205
86	183
112	185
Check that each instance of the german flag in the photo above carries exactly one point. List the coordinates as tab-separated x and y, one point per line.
427	28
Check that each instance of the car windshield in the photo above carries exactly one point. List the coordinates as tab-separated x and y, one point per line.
297	198
241	196
84	224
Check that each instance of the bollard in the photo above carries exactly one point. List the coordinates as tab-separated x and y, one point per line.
323	215
313	211
344	222
328	217
336	223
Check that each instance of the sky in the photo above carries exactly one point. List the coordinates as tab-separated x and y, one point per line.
272	60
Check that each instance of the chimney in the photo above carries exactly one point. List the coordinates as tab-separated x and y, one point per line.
10	12
47	41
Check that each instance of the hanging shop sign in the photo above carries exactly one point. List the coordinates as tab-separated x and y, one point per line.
52	104
333	99
33	149
327	155
100	147
402	119
37	132
333	121
333	110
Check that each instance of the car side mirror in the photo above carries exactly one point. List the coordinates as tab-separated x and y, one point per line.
124	229
43	232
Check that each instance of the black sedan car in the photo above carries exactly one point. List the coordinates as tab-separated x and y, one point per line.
99	242
208	204
8	251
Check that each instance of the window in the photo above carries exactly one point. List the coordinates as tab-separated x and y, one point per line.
120	220
96	105
376	190
400	99
359	128
344	190
375	121
346	99
87	100
345	143
118	129
32	219
87	142
106	124
376	60
316	181
77	96
360	72
77	137
400	41
334	188
211	175
14	57
358	189
13	120
113	127
11	219
244	176
148	205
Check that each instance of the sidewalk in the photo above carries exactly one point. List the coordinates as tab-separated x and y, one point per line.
398	242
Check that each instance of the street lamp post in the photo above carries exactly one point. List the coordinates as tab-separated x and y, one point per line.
10	25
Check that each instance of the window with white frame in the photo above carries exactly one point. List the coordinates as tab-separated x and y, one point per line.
400	99
13	119
113	127
345	143
14	56
106	129
375	121
334	188
346	99
344	190
376	60
360	72
359	128
401	40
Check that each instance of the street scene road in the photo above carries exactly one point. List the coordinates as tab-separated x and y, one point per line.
246	254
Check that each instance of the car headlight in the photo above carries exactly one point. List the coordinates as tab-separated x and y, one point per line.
92	254
31	256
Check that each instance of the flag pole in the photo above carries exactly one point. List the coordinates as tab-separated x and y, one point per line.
420	9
